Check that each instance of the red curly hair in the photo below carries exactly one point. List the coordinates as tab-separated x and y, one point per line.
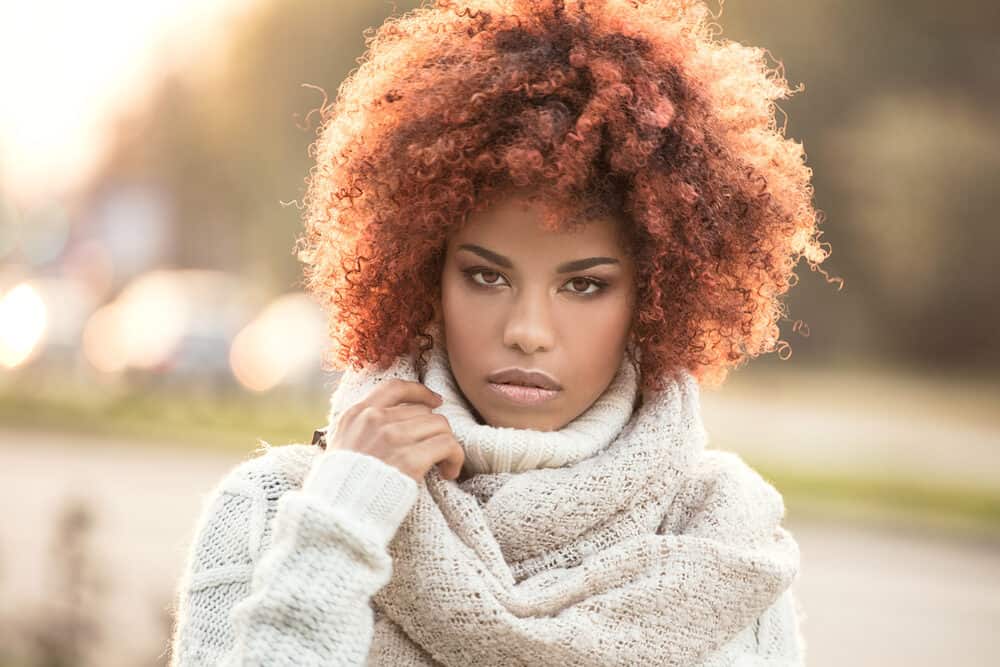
624	107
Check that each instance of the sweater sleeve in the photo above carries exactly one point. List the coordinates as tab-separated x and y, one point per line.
773	640
778	633
306	599
726	502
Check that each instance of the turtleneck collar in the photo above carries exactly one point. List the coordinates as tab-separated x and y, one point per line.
494	449
502	449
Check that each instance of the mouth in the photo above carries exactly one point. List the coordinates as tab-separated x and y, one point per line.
522	394
535	379
524	387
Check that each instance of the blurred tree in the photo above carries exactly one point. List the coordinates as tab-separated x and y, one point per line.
229	140
919	169
897	117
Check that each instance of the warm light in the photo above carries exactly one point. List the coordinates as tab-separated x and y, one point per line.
23	317
281	343
67	67
141	328
256	358
155	313
103	343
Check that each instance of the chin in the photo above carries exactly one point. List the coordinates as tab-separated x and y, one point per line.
526	417
496	411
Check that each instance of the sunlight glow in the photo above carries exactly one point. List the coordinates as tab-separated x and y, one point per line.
141	328
280	344
66	66
23	318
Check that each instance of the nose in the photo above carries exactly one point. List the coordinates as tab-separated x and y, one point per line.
529	325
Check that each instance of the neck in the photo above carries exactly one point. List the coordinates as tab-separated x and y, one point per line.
491	449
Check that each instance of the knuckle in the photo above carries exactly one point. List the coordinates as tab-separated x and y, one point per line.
409	461
370	414
389	432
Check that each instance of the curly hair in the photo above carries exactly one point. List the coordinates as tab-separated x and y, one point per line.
628	107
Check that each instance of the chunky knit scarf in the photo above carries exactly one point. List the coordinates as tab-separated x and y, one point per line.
617	540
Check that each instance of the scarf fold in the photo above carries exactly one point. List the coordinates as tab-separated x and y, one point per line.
616	540
492	449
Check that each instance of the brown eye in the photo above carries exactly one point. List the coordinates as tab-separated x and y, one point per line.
489	278
585	284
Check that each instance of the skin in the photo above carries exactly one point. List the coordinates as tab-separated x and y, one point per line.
531	316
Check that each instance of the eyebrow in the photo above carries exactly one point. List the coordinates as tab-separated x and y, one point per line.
567	267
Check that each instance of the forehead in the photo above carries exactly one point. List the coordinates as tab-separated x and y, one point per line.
513	226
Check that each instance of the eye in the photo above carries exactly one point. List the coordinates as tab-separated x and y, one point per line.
587	283
491	278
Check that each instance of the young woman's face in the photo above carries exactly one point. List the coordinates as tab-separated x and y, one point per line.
515	296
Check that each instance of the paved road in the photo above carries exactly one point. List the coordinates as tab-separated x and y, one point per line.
872	596
818	429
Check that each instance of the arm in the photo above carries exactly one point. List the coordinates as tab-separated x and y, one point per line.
773	640
729	503
779	637
305	600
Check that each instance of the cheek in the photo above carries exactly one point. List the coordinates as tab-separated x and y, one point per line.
599	340
455	301
465	307
454	298
599	326
464	323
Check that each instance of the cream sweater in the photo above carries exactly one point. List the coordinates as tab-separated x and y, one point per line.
282	575
292	545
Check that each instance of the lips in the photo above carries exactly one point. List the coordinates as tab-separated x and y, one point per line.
522	394
525	378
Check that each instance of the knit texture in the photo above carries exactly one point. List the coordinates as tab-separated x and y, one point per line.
617	540
501	449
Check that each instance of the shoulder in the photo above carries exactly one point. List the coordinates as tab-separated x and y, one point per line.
233	527
264	479
270	471
724	471
722	485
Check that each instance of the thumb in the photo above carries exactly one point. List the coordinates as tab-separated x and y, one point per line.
450	468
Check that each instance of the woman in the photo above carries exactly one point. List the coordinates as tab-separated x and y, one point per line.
536	227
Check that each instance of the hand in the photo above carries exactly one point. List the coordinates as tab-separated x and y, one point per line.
394	423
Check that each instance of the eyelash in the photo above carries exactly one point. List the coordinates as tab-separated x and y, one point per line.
469	273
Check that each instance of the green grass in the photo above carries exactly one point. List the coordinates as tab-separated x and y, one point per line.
868	496
231	422
235	422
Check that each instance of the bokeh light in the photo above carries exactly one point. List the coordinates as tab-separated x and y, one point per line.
141	328
282	343
23	318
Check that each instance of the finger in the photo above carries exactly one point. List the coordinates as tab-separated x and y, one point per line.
405	411
446	452
418	428
393	392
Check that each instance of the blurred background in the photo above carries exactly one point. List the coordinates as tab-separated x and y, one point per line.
153	326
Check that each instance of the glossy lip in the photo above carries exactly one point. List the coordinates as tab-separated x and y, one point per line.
527	378
523	395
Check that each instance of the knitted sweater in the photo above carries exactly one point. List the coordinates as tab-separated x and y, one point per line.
264	541
291	546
